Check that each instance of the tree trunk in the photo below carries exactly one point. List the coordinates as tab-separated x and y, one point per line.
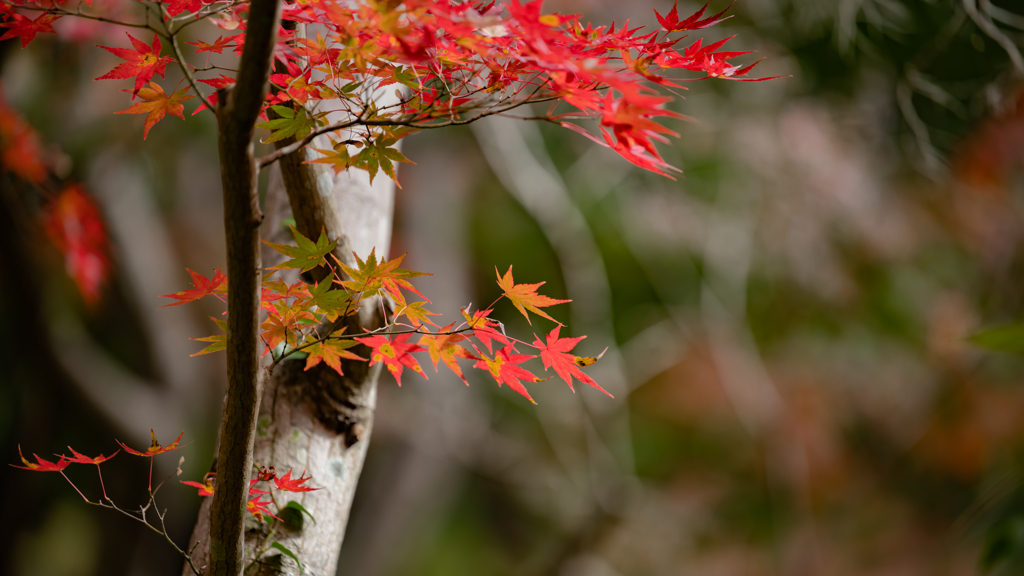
317	421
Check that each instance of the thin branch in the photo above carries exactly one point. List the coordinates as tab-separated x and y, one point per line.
240	107
141	516
188	75
299	144
190	21
62	12
377	332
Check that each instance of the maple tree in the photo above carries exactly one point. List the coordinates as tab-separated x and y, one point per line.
312	74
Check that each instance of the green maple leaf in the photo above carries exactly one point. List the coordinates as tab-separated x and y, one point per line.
218	342
331	302
305	255
377	154
370	276
331	352
291	123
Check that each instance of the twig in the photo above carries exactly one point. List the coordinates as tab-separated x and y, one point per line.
188	75
358	121
62	12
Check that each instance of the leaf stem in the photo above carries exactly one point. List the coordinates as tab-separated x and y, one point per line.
76	488
100	473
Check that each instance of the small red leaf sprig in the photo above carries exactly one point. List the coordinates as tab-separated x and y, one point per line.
142	514
308	320
256	505
454	62
154	449
262	504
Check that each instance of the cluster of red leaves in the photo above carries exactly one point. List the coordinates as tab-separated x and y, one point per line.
305	318
74	225
256	505
70	218
456	61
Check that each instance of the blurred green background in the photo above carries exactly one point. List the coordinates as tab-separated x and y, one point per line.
786	324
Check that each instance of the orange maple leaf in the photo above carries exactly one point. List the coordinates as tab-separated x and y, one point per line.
283	324
202	286
370	276
444	348
524	296
331	352
414	312
142	63
158	104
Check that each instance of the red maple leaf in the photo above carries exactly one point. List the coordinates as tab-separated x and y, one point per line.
217	47
83	459
266	474
394	354
202	286
672	23
205	489
524	296
258	507
555	354
209	484
483	327
503	368
298	84
218	83
175	7
142	63
26	29
42	465
289	484
154	448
